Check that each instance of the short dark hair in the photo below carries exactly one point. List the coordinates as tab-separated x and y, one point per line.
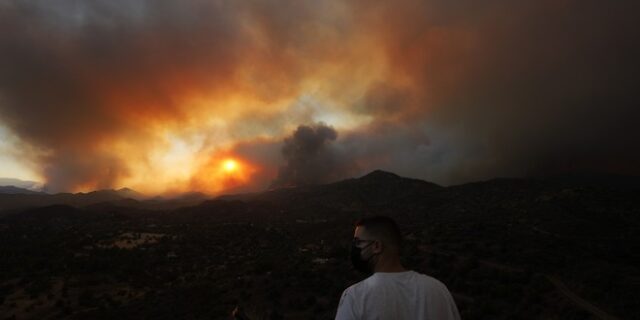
383	228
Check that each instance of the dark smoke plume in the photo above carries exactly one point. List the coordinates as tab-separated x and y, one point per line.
310	158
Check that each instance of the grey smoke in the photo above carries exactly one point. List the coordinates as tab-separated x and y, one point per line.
311	157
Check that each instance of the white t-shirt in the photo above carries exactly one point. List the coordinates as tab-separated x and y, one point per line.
404	295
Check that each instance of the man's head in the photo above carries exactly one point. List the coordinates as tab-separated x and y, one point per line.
376	240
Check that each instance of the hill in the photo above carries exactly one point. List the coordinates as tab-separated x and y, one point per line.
23	184
34	200
371	189
13	199
17	190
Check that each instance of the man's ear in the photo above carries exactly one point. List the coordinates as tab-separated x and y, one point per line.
377	246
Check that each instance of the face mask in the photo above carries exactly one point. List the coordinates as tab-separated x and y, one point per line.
360	264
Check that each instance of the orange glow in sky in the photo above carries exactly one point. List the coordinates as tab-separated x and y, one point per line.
230	165
223	173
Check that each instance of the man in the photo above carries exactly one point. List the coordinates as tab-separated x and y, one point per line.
392	292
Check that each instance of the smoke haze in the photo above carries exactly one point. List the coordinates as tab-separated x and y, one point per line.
155	94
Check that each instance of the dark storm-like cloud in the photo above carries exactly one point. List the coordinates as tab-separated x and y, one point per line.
310	157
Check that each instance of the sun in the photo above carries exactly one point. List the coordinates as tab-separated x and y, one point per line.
224	172
229	165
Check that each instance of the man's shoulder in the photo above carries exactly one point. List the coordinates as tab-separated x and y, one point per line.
429	280
356	288
376	280
432	284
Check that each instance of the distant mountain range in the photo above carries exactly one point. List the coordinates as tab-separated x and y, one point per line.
371	189
17	190
20	184
375	188
18	198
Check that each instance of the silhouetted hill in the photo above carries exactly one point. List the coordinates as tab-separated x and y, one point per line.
16	190
24	184
358	193
34	200
130	194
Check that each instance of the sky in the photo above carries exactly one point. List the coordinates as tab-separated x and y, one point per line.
234	96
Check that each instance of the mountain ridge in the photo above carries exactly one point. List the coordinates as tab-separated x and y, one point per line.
374	187
17	190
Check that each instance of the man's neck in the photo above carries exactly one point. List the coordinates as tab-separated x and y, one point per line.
389	265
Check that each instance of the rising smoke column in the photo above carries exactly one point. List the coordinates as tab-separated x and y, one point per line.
310	158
